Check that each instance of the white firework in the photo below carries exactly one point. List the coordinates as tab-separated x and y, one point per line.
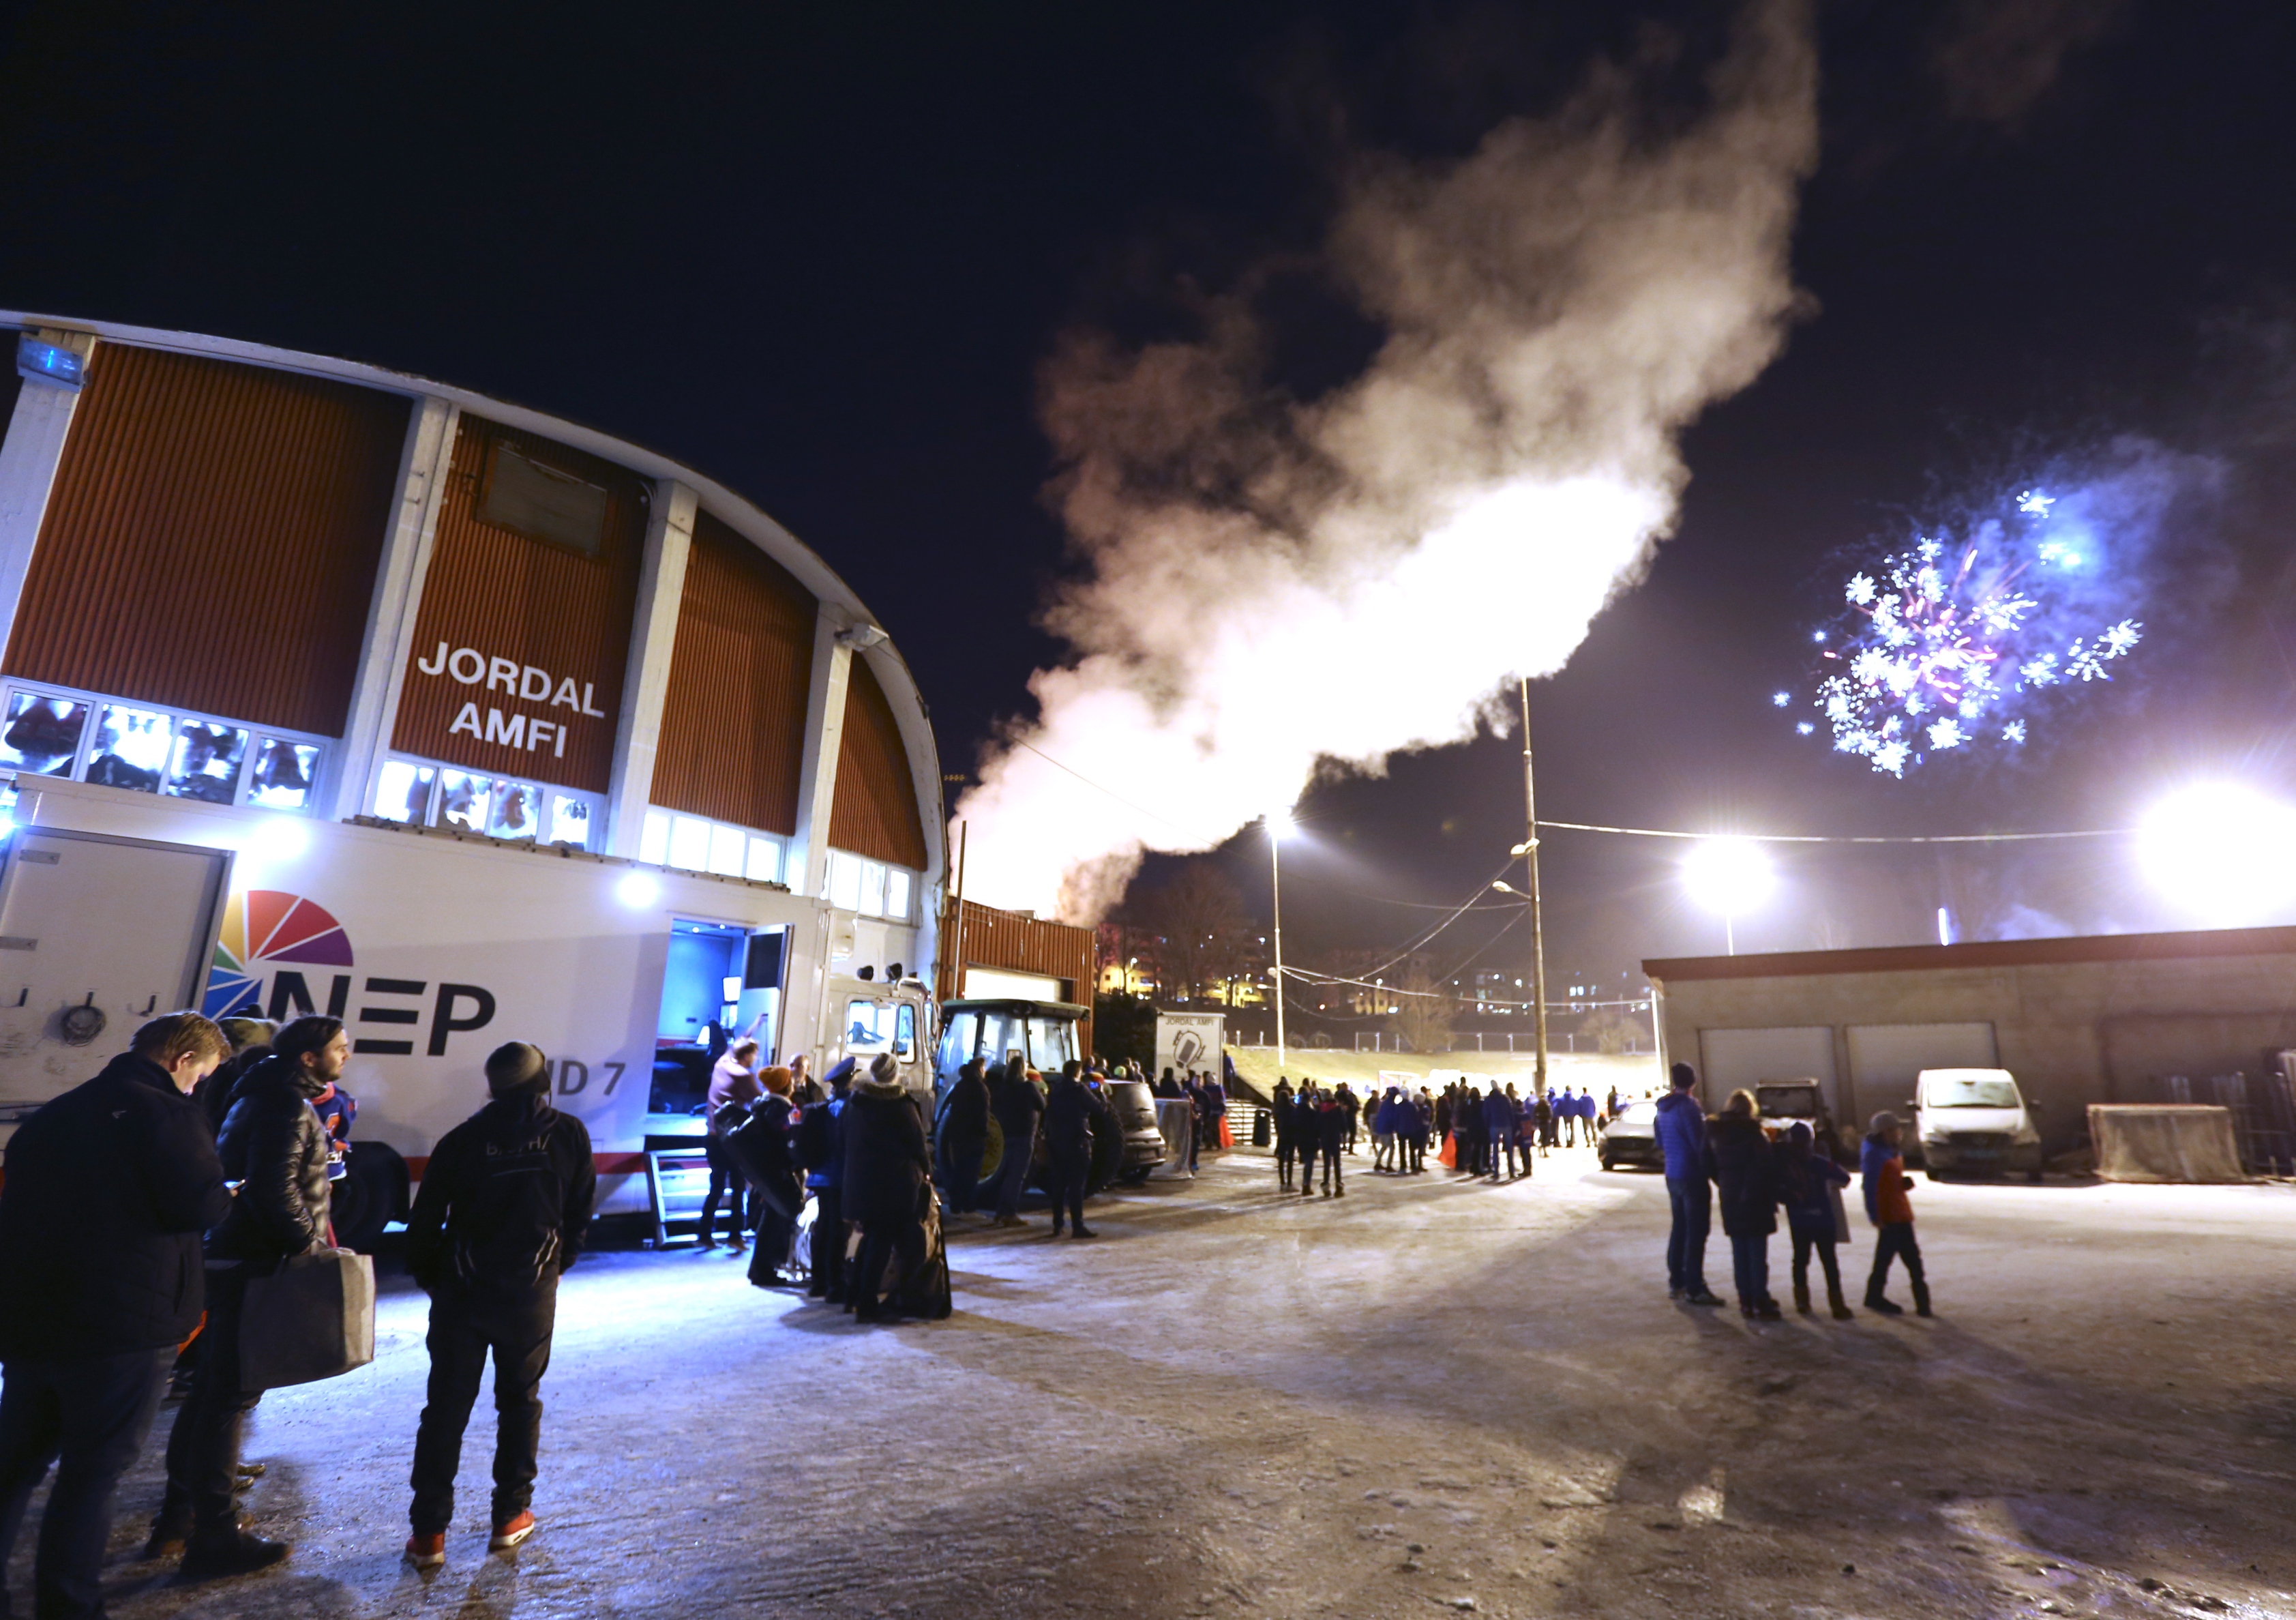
1965	632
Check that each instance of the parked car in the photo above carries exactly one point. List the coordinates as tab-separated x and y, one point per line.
1787	1102
1974	1121
1631	1138
1134	1105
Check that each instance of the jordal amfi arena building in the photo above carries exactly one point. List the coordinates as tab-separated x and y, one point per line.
330	688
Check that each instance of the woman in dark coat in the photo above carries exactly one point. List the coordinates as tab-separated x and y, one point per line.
1746	1183
765	1140
887	1164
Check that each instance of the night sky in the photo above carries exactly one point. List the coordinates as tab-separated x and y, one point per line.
820	252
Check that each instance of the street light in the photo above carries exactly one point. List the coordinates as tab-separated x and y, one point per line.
1729	876
1280	826
1529	850
2221	850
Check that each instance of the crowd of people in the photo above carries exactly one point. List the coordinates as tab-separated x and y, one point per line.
1733	1160
137	1210
850	1150
1492	1134
140	1209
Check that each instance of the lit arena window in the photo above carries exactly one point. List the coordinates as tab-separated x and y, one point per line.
49	732
695	844
870	887
417	792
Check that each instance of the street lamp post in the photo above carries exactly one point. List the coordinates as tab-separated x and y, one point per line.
1529	849
1279	823
1529	853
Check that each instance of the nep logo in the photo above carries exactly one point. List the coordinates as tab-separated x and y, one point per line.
262	927
270	935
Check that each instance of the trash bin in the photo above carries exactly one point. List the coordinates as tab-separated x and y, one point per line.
1262	1131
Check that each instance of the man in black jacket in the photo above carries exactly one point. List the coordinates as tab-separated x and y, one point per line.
273	1145
107	1189
1068	1112
504	1202
1287	1136
964	1136
1331	1135
1018	1106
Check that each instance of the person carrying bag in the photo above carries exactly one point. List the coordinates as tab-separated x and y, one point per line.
273	1145
504	1202
761	1147
312	1318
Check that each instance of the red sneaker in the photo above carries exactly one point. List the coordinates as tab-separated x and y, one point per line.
507	1536
426	1552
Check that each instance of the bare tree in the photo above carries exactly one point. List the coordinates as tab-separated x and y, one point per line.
1612	1029
1423	1011
1200	917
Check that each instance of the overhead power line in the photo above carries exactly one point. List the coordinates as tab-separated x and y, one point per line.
1653	832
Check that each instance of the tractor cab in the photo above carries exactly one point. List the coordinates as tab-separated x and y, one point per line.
1044	1032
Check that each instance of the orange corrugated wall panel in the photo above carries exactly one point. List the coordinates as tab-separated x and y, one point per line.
542	607
212	539
875	813
732	720
1018	944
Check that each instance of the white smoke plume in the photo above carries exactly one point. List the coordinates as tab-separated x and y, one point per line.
1272	586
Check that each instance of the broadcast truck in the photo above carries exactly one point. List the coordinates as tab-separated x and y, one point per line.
434	946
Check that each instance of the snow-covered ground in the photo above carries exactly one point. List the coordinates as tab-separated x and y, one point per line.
1236	1404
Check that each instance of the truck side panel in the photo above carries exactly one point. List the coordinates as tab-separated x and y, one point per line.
433	951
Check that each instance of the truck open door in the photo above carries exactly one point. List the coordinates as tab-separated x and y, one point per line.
97	934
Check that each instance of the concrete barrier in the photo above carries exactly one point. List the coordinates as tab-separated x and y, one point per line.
2164	1142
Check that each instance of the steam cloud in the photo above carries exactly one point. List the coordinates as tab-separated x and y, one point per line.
1274	585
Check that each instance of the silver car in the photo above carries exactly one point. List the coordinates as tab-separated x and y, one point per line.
1631	1137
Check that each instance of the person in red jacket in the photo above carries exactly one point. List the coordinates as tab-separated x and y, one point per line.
1892	1213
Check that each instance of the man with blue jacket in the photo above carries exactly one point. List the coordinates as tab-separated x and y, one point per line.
1682	1139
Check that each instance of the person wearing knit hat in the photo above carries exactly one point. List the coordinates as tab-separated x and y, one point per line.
506	1200
516	1065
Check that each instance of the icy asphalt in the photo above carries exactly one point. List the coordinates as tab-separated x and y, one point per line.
1429	1397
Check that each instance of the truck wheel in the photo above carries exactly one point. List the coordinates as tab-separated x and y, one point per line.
371	1192
1607	1161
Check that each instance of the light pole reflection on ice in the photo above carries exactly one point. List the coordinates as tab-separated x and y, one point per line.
1730	875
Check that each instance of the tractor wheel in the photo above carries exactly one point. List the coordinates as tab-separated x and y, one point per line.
992	1167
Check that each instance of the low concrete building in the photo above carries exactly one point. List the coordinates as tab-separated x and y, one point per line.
2102	1019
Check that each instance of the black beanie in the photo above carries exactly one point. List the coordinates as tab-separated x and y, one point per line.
516	1066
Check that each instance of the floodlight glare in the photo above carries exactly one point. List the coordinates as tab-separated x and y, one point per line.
1280	825
1729	876
2221	851
637	891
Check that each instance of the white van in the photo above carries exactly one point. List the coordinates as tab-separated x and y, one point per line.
1974	1121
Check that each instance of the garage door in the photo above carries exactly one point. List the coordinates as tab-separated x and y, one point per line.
1884	1059
1732	1058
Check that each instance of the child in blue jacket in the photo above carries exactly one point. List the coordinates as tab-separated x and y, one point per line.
1807	1179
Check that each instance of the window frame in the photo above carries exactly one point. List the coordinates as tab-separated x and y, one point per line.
177	717
862	868
430	816
658	834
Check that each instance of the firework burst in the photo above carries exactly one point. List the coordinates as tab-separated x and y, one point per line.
1945	645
